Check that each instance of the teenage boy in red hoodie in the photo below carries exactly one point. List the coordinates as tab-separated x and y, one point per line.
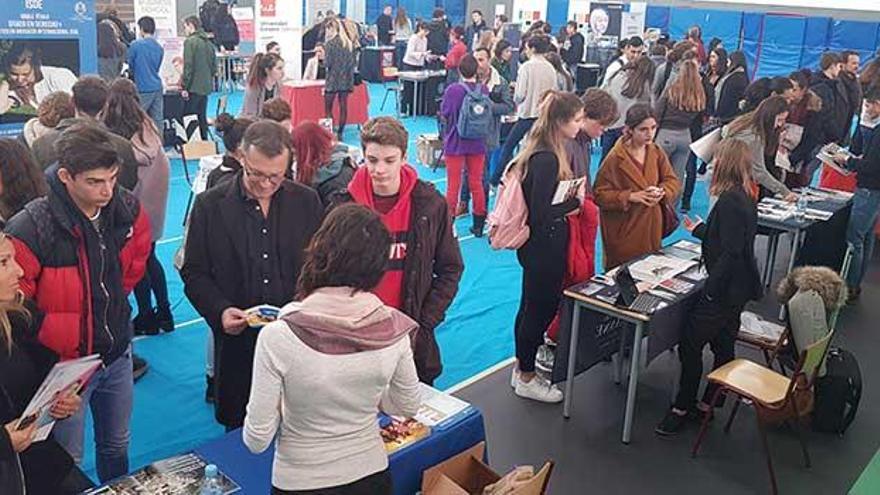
425	262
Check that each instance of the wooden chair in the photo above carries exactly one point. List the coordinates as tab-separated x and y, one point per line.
193	150
774	396
392	86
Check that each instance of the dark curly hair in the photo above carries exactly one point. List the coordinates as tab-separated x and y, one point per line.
349	250
22	179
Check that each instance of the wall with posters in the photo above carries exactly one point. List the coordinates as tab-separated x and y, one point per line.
59	36
164	12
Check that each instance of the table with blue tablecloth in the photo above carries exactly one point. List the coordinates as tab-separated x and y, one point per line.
254	472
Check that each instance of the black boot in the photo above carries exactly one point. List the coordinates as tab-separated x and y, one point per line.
164	318
139	367
145	323
479	223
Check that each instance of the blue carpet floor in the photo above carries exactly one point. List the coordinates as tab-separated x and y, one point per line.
170	415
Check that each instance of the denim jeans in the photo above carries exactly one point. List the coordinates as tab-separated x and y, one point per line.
154	104
109	394
517	133
860	232
690	181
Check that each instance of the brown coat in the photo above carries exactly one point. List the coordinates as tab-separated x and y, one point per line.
631	230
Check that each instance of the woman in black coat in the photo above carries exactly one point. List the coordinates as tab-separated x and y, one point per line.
729	257
40	467
731	88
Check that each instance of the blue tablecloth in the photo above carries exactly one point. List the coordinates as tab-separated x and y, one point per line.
254	472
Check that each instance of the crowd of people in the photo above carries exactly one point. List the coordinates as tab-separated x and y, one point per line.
368	251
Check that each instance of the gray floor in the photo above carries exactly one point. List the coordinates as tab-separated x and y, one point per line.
591	459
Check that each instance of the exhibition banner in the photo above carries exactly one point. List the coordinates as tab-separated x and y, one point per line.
164	12
281	21
244	20
44	46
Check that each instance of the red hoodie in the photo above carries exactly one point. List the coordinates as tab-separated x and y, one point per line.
397	220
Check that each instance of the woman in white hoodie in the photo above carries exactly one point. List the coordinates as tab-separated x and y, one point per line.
323	370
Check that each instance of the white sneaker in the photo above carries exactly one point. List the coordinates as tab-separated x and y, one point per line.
514	376
539	389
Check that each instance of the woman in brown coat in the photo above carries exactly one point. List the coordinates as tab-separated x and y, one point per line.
633	180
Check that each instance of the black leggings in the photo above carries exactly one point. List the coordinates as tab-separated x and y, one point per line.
152	283
374	484
543	259
343	108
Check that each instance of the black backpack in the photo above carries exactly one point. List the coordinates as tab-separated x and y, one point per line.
207	14
837	393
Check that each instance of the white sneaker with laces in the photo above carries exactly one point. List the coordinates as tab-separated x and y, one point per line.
539	389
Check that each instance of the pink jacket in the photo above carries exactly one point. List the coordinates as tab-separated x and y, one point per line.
153	177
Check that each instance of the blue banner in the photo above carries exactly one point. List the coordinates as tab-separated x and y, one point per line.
44	46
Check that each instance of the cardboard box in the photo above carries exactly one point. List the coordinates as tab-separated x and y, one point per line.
429	150
466	474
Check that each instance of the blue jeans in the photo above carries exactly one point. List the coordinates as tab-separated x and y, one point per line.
860	232
517	133
109	394
154	104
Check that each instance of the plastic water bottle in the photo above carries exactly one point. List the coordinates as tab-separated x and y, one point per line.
212	484
801	207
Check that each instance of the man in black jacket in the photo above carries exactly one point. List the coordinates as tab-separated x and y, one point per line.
425	264
573	49
849	78
438	37
385	27
245	248
473	32
835	104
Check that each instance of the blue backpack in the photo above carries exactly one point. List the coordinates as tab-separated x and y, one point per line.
475	114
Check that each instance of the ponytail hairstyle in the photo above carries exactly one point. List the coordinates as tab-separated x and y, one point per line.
556	108
334	27
232	130
762	122
686	92
639	75
261	64
733	167
637	114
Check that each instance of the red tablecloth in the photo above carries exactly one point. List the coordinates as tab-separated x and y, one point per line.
306	100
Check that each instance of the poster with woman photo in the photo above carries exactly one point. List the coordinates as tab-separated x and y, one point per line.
32	69
605	19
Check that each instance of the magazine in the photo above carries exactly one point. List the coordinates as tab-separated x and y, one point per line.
438	407
826	156
657	268
179	475
68	376
567	189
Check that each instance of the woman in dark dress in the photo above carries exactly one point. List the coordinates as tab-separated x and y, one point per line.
26	467
340	62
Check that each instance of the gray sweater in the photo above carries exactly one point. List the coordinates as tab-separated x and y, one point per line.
759	168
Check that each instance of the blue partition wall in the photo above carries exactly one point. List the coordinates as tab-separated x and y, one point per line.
455	9
773	43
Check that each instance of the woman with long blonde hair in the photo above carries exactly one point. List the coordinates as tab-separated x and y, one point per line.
340	61
543	163
24	363
682	102
729	257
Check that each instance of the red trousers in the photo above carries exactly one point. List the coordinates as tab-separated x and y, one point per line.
454	166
